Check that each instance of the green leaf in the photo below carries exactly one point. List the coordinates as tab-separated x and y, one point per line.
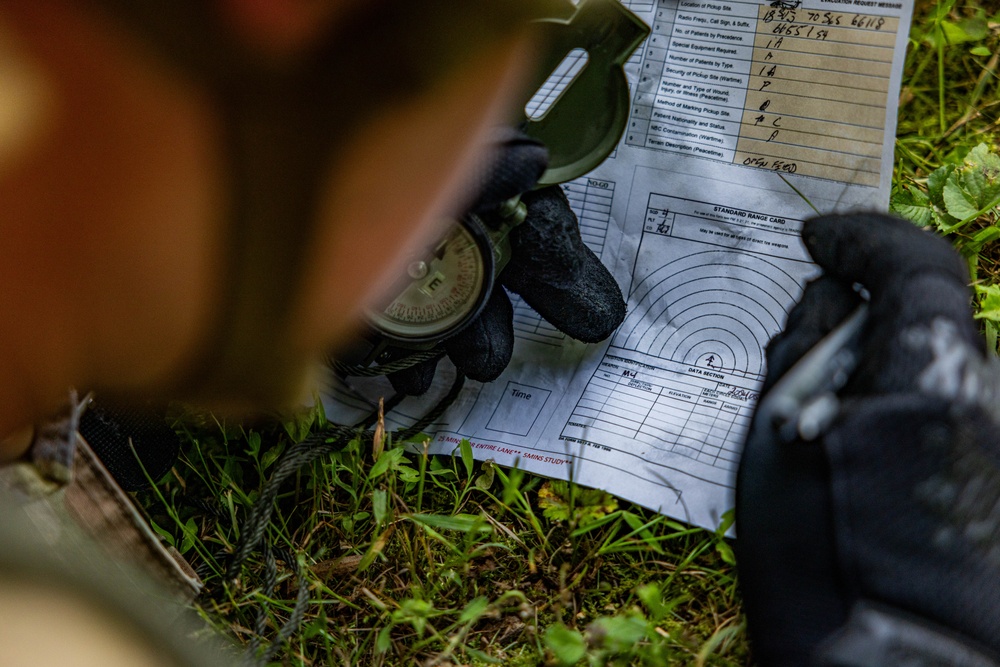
597	523
919	215
512	486
485	480
722	546
913	205
465	449
298	426
315	628
725	552
991	336
408	474
380	506
415	612
568	646
935	184
271	455
980	51
975	27
983	237
980	175
253	444
989	302
190	535
561	501
461	522
726	522
389	459
552	501
957	201
620	633
167	537
970	30
383	640
374	549
482	657
650	595
474	610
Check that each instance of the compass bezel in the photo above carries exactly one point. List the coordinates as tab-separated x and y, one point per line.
410	334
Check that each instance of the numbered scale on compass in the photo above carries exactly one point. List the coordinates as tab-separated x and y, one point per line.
445	288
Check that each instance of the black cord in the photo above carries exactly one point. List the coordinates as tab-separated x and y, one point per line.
387	368
331	439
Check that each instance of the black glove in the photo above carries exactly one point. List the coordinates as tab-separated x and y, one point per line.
114	430
550	268
878	542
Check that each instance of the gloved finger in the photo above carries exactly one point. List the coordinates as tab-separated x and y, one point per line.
825	303
916	281
416	379
557	274
483	349
878	250
780	485
789	578
517	166
913	276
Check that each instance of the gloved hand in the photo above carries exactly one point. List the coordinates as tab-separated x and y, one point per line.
550	268
878	542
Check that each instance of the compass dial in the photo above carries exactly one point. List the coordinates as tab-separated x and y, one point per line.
446	288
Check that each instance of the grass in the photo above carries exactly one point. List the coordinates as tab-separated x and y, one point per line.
430	560
440	560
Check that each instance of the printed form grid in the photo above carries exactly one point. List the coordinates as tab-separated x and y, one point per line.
788	90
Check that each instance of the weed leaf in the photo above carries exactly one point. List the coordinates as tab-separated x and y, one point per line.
382	641
482	657
725	552
474	610
913	205
981	175
989	302
465	448
389	459
485	480
271	455
619	633
568	646
162	533
958	202
190	534
971	30
587	506
380	506
935	184
463	523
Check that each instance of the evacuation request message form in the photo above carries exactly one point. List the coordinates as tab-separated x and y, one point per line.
736	104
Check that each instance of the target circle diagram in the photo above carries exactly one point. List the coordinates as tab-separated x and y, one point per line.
715	309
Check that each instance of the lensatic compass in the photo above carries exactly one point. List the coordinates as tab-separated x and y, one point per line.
445	287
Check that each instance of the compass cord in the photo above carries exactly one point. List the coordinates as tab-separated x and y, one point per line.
329	440
347	370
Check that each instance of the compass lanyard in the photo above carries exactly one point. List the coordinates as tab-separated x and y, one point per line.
283	124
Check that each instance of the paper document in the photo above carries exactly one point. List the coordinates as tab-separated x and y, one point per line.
735	106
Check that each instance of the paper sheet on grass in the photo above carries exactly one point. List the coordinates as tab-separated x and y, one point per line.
695	213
